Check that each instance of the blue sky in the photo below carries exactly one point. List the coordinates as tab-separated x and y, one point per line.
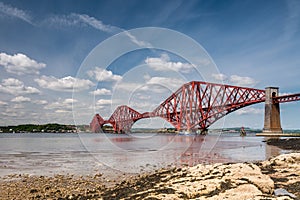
45	46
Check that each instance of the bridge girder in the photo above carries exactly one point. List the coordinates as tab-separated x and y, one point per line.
195	105
123	118
97	123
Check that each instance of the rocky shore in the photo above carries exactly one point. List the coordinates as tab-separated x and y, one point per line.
276	178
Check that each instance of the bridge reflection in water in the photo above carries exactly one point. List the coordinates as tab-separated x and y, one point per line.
139	152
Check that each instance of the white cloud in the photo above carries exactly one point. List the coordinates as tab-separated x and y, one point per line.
62	111
20	99
40	102
16	87
154	84
170	84
70	101
63	84
103	75
20	64
143	106
283	94
102	91
15	12
9	112
235	79
136	41
2	103
76	19
95	23
163	63
104	102
18	106
56	105
127	86
242	81
249	110
143	97
219	77
65	104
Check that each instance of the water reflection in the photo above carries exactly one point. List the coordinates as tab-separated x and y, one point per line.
91	153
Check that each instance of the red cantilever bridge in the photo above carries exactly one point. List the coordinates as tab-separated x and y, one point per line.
197	105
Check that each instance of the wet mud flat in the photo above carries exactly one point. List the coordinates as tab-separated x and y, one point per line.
285	143
276	178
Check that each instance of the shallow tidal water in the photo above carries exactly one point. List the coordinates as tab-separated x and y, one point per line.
87	153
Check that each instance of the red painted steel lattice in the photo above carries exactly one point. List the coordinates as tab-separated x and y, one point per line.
123	118
287	98
194	106
197	105
97	123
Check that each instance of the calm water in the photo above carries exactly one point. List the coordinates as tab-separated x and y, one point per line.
84	153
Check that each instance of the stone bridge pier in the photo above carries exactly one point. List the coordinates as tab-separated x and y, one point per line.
272	123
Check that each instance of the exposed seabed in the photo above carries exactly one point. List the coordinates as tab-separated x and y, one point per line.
278	134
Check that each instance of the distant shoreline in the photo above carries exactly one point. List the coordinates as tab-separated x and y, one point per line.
69	128
41	128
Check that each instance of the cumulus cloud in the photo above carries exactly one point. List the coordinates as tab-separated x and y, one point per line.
20	99
104	102
102	91
219	77
163	63
235	80
155	84
18	106
20	64
2	103
16	87
164	83
249	110
143	106
40	102
103	75
61	105
15	12
10	112
242	80
67	84
70	101
62	111
284	93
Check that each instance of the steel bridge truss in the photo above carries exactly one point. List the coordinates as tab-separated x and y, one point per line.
194	106
197	105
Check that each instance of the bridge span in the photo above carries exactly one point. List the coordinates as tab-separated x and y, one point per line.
197	105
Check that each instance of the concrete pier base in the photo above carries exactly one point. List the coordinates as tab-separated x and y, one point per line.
272	123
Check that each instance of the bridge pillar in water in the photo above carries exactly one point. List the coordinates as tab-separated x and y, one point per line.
272	112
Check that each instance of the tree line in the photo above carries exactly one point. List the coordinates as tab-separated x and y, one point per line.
31	128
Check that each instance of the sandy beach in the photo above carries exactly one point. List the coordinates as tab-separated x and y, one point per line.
276	178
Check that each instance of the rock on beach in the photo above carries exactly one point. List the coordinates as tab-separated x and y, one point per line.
262	180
